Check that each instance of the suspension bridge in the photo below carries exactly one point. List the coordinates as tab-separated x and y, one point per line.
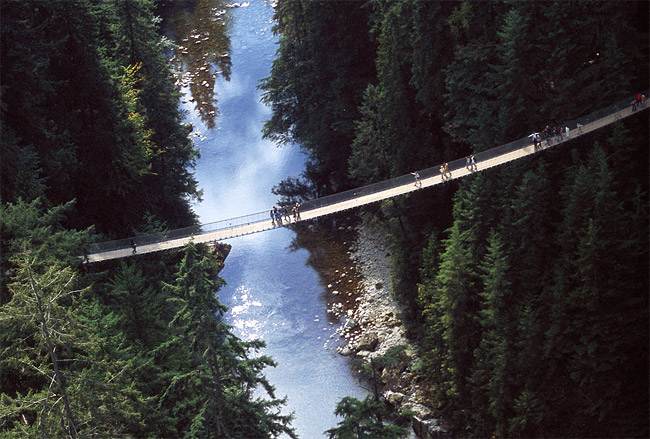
261	221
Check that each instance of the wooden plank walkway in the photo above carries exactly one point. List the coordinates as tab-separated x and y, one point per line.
264	225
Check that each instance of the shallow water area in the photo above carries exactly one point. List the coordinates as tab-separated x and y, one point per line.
272	293
274	296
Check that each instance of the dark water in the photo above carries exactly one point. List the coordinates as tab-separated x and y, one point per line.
271	292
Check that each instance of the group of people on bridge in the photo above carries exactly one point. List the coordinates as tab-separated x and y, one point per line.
639	100
549	133
277	214
445	173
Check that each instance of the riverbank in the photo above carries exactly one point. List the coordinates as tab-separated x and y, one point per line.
374	325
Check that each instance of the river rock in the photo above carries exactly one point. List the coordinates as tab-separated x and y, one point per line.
380	328
368	342
394	398
420	411
345	351
428	429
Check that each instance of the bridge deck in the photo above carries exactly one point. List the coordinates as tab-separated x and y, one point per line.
263	223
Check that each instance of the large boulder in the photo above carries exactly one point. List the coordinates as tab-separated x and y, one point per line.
394	398
424	424
345	351
368	342
429	429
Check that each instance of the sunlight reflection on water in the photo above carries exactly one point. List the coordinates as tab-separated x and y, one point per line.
249	329
271	293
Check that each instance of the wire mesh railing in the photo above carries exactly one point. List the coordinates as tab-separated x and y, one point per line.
330	200
457	164
185	232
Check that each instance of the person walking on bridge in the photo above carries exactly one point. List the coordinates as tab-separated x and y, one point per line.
444	171
133	246
416	175
297	214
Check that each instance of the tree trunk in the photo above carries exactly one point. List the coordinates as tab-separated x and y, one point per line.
72	431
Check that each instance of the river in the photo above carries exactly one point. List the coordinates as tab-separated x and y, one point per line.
225	50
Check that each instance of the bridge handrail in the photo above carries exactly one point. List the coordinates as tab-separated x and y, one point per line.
459	163
328	200
183	232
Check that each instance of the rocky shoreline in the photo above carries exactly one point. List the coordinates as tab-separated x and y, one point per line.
374	326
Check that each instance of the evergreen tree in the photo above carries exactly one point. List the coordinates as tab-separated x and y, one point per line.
429	299
492	377
30	226
36	309
459	301
136	306
63	387
86	132
592	342
218	375
391	122
30	38
369	161
470	96
362	421
137	43
368	418
594	54
21	176
324	63
514	74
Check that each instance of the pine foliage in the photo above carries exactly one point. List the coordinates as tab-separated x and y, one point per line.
527	286
92	143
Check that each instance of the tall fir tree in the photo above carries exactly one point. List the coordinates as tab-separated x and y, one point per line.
218	374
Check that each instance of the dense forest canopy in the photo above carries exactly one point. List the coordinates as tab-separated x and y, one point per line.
93	147
526	287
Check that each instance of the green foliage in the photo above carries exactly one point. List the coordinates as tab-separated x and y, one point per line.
20	169
223	373
491	376
459	302
92	135
369	160
362	419
531	307
392	120
367	418
558	291
533	254
596	314
323	64
28	226
108	133
137	310
62	385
